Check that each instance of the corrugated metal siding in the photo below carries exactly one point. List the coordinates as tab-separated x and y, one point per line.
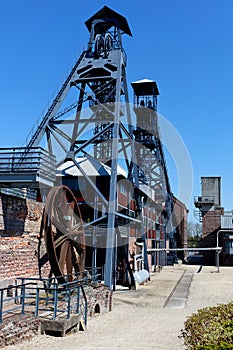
227	221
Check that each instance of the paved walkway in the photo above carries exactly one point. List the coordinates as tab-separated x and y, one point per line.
179	295
151	317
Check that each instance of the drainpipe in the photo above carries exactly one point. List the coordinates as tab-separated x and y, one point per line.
218	251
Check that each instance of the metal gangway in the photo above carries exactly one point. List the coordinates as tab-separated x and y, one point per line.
36	169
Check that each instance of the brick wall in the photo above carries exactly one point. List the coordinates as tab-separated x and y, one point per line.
20	221
99	299
17	329
211	223
18	216
180	218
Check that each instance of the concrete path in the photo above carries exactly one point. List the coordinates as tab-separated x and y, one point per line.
151	317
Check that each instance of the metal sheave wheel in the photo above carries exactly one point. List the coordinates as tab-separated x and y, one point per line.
64	233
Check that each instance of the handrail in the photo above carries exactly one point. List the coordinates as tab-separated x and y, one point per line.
203	199
37	160
17	299
85	308
62	300
52	294
43	120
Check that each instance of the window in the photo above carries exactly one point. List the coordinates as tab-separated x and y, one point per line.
123	188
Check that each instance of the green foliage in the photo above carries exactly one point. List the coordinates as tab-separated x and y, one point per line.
194	231
193	242
210	328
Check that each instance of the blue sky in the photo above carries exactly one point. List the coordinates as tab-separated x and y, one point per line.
186	46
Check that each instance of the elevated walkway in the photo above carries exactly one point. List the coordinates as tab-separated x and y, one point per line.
22	167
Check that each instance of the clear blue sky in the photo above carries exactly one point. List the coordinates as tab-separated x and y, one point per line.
186	46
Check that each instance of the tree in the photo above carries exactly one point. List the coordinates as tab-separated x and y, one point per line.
194	234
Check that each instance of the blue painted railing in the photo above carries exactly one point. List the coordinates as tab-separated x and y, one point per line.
63	299
11	301
47	297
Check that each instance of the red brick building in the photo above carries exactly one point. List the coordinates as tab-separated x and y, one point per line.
217	225
180	219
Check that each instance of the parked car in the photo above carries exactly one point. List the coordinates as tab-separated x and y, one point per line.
194	260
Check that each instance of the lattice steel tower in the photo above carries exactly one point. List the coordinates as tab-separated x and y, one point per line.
96	132
152	170
88	126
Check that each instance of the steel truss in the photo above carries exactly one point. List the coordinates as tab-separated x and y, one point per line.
101	128
90	120
152	169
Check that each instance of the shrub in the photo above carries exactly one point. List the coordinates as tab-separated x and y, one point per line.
210	328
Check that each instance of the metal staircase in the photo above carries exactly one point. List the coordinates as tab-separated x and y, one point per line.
36	137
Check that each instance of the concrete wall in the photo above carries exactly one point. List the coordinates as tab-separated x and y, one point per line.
211	187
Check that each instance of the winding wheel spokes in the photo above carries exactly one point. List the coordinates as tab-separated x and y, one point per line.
64	233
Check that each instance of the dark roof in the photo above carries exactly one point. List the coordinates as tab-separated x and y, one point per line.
145	87
112	18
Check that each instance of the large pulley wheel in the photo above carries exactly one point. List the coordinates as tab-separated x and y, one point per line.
64	233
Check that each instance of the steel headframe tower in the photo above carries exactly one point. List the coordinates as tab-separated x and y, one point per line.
99	77
152	171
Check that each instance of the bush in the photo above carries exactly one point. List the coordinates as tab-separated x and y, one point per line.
210	328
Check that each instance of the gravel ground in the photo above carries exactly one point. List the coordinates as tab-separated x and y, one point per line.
139	319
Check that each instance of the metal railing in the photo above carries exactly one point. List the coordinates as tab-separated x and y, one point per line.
198	214
47	298
14	160
10	301
204	199
61	300
19	192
